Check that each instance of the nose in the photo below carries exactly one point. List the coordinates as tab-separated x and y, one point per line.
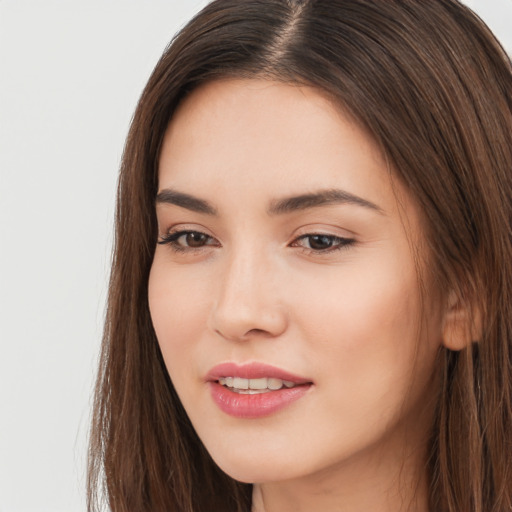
248	302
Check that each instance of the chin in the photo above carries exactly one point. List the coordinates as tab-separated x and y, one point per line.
251	469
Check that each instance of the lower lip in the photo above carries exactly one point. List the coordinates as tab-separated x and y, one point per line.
246	406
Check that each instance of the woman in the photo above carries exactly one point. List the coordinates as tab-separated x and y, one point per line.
310	301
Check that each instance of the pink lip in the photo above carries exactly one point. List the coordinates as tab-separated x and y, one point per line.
252	371
259	405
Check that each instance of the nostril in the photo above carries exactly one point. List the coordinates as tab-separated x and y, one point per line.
241	336
258	332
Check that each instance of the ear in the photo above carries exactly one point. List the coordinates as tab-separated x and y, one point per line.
462	323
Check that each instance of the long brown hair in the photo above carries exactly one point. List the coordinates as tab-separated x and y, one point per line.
430	83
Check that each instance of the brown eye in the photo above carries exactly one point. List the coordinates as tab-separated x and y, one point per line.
195	239
188	240
321	242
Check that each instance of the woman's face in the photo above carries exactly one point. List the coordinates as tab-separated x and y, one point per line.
284	291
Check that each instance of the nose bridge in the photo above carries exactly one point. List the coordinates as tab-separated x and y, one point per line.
248	301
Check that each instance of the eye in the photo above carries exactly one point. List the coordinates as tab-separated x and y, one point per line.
322	242
187	240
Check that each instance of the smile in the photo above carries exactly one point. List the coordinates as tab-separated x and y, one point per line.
255	386
254	390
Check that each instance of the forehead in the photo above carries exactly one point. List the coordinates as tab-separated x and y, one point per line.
258	137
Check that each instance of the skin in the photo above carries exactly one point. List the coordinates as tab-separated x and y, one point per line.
350	320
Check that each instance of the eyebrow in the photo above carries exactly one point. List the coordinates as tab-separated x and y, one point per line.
320	198
277	207
169	196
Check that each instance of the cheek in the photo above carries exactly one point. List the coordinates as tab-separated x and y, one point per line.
362	304
363	330
179	307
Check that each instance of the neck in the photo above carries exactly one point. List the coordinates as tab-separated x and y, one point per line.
391	484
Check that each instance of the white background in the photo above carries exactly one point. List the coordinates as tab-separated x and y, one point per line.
70	75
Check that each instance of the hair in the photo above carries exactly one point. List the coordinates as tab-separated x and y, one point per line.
433	87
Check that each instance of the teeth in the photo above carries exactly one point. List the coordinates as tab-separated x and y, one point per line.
258	385
240	383
275	384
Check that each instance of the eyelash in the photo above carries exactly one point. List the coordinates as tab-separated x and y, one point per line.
337	243
171	239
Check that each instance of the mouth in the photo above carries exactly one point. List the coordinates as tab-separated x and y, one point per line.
254	390
255	386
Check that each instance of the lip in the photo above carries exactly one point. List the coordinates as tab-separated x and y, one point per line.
259	405
253	371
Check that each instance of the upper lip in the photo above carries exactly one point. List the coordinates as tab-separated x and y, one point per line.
253	370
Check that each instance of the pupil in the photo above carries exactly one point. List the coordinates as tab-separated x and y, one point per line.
320	242
196	239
